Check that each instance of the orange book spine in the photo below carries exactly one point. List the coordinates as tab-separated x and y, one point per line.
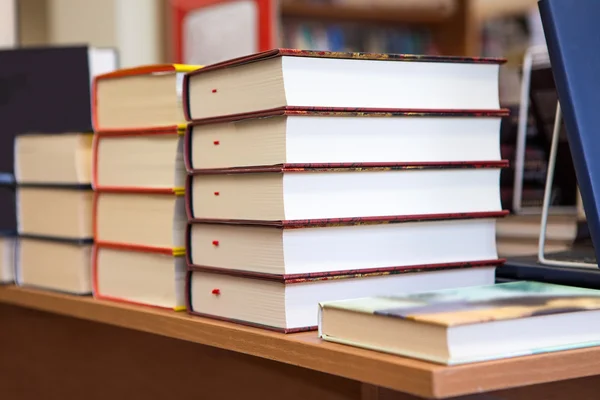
100	296
176	252
142	70
96	146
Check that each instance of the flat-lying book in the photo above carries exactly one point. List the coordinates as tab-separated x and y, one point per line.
140	277
311	191
343	246
141	220
301	78
146	160
291	305
47	89
54	264
54	159
313	135
7	259
57	211
468	324
145	97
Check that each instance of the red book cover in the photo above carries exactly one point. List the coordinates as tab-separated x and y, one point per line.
127	246
325	168
352	167
95	290
320	223
333	222
119	134
332	112
265	55
347	55
357	273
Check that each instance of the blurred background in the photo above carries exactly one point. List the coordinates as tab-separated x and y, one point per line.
207	31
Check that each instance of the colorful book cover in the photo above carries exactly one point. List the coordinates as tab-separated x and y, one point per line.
477	305
480	304
495	303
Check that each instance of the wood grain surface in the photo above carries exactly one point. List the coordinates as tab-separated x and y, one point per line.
44	356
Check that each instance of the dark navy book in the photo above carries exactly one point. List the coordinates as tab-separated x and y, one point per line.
572	32
47	90
8	207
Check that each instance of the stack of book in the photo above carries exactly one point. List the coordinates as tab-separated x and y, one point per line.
316	176
138	174
54	211
46	101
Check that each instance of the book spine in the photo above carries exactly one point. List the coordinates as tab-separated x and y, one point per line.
562	30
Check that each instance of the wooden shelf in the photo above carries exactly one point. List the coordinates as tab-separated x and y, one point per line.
363	14
306	350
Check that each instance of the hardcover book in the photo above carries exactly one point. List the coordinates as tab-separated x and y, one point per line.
142	220
323	191
7	259
304	78
319	135
321	248
62	159
61	211
47	90
151	161
578	91
140	98
468	324
146	277
54	264
290	305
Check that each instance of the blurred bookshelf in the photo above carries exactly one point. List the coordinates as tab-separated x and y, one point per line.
445	27
146	31
420	27
388	12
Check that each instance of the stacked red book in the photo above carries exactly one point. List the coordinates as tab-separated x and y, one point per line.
138	173
317	176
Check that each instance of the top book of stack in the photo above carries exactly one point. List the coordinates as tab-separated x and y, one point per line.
145	98
288	79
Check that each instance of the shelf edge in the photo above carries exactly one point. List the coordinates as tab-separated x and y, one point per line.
303	350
